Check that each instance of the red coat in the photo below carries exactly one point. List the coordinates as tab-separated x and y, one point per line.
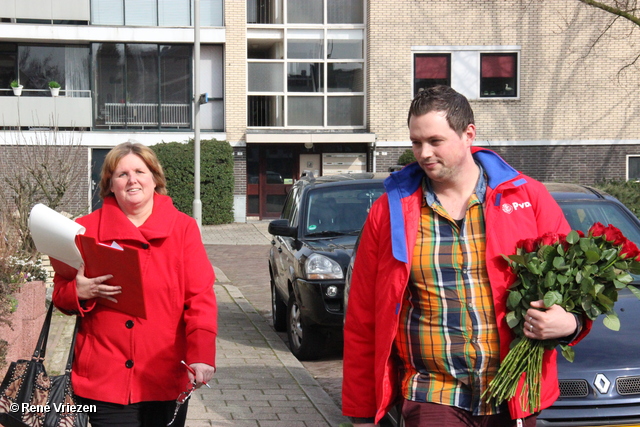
124	359
516	207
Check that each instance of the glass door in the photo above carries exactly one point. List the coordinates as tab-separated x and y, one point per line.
271	170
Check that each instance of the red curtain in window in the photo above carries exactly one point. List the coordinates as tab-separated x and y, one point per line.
432	67
499	66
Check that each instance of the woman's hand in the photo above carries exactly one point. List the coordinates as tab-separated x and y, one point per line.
548	323
203	375
95	288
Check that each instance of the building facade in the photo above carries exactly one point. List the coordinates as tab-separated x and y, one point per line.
321	86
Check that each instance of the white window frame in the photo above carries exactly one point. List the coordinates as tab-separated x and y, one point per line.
465	67
282	32
629	157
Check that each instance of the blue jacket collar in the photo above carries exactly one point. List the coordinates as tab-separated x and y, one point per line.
405	182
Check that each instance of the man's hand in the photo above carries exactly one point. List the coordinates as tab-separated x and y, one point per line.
548	323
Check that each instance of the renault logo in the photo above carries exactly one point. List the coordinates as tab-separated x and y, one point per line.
602	383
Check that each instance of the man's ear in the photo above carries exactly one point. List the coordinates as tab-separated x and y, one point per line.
470	133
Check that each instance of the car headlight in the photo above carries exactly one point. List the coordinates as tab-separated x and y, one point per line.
321	267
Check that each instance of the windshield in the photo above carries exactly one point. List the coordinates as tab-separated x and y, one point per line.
583	214
340	210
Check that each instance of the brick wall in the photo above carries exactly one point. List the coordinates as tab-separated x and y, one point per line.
585	164
235	66
567	91
13	157
240	171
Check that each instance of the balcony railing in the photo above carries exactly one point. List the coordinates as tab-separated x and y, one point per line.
143	114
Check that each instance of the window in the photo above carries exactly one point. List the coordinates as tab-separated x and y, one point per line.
142	85
151	13
309	75
498	75
38	65
305	11
477	72
431	70
633	168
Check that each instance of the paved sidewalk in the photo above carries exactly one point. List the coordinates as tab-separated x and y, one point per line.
249	233
258	382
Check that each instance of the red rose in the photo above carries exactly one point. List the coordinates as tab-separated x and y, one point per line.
614	235
528	245
629	250
551	238
580	233
597	229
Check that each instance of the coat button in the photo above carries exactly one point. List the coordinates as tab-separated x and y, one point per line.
129	324
145	246
129	364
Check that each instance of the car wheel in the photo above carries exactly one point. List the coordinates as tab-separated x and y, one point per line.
278	310
305	342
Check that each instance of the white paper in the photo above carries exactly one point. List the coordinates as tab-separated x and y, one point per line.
55	235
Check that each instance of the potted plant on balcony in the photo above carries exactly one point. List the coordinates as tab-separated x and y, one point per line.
54	86
17	87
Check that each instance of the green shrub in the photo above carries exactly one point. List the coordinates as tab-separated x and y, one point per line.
216	178
406	158
628	192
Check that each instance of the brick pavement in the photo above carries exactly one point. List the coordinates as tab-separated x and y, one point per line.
259	382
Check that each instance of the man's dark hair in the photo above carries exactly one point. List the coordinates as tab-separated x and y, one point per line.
442	98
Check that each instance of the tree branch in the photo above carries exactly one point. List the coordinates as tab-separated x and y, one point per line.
613	10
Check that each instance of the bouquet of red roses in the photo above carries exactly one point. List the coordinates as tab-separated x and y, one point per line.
582	274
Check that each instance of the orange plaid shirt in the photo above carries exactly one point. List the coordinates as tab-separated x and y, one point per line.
447	340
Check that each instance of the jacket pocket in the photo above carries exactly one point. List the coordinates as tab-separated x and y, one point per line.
83	355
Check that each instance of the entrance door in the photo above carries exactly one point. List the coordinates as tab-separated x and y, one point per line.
97	159
271	170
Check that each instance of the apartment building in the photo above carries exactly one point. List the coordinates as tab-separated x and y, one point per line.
322	86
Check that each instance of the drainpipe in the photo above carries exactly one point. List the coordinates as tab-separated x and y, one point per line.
374	154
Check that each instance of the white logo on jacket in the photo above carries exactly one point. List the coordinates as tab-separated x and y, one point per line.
508	208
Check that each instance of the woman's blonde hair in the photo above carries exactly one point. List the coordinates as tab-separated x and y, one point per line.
117	153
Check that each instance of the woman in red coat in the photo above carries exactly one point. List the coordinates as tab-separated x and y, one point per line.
130	367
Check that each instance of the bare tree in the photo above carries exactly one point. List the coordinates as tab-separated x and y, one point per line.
619	9
46	166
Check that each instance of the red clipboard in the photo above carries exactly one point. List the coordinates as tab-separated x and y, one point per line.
123	264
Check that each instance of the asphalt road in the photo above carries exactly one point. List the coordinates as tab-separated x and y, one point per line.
247	268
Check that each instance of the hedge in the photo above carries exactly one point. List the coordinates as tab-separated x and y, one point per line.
406	157
216	178
628	192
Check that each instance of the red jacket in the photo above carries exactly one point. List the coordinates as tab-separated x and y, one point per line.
124	359
516	207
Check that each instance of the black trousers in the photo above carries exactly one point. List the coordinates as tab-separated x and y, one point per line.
142	414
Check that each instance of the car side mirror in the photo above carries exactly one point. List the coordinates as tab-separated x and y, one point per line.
280	227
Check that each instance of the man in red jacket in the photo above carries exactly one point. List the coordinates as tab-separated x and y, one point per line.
426	324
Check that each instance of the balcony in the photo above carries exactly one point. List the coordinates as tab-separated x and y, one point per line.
146	114
37	111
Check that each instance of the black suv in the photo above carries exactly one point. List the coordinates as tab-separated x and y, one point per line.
313	240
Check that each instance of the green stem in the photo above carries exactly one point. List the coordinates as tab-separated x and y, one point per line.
525	357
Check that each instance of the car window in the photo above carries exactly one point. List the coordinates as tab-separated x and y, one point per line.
288	204
583	214
295	208
340	210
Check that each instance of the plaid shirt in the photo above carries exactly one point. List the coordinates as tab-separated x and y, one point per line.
447	339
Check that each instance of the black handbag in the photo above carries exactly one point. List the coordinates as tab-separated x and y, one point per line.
29	397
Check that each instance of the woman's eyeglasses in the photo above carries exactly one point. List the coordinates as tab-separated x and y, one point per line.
182	397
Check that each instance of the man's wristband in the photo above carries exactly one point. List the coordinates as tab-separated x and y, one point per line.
568	339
